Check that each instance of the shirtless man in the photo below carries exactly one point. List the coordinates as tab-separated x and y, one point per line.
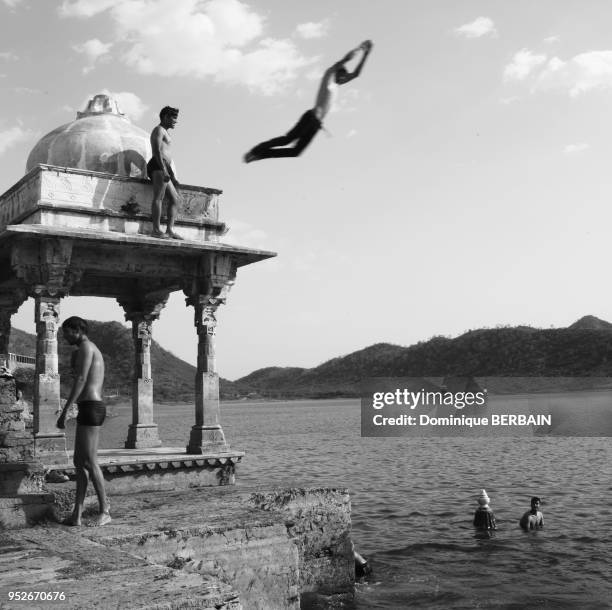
533	518
311	121
87	391
160	171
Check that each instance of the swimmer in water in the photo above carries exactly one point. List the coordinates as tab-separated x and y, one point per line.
533	518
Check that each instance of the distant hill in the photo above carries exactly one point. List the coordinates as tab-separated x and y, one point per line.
174	379
591	323
584	349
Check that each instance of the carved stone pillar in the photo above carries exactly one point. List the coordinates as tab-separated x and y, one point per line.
45	268
142	310
48	438
217	275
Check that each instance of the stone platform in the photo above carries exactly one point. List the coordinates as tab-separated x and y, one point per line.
159	468
27	488
224	548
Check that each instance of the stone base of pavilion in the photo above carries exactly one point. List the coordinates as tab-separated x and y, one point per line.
158	468
29	491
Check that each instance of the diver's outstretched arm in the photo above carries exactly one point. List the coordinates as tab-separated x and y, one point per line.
365	47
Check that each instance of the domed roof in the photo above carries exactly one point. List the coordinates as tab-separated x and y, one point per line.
101	139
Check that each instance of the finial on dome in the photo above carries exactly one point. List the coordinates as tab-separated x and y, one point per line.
102	104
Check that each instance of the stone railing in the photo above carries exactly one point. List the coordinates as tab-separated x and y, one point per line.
61	196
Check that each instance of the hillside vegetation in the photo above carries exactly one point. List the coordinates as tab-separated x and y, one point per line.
582	350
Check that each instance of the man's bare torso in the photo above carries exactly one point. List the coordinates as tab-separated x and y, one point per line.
326	95
161	138
94	375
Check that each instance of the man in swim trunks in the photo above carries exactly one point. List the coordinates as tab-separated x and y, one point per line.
533	518
87	391
160	170
311	121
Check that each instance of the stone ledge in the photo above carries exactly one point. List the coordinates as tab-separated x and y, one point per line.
256	542
91	575
244	256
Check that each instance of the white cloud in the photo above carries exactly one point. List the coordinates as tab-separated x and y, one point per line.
129	103
572	149
220	39
85	8
552	39
347	102
352	133
13	135
523	63
311	29
12	3
481	26
8	56
27	91
582	73
93	50
506	101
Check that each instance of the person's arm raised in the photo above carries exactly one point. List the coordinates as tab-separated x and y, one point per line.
365	47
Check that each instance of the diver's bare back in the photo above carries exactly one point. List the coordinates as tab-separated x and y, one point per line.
95	373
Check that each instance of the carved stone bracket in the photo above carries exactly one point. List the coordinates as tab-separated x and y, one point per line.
143	303
45	266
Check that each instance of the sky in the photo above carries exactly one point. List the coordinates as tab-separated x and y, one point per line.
464	183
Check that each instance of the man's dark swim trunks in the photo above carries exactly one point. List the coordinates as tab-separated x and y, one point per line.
153	166
301	133
91	413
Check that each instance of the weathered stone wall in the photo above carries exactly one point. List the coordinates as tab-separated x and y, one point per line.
16	442
319	523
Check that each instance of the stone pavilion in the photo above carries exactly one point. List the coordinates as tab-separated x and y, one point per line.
78	224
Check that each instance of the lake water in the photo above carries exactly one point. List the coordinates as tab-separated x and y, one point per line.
413	502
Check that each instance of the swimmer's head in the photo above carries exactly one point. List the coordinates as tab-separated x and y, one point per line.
168	116
535	502
341	75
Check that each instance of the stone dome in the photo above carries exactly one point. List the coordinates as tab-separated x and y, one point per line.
101	139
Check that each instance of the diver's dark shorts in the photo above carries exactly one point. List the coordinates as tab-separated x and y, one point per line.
153	166
91	413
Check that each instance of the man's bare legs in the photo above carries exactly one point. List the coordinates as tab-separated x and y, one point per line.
86	464
160	189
